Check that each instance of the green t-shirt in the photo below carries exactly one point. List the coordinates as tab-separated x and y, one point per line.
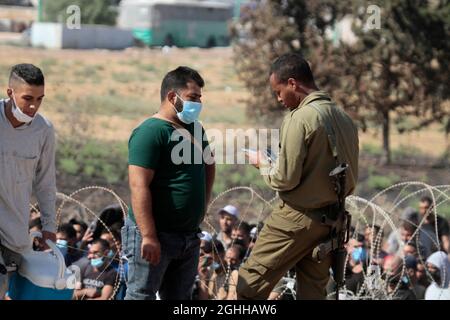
178	187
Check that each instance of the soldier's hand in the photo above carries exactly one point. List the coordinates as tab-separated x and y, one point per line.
255	157
151	250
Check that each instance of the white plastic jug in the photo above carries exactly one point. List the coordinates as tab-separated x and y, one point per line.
47	269
43	275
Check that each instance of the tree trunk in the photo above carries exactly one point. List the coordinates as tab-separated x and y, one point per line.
386	158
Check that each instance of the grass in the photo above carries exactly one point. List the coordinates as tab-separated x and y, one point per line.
89	72
378	182
127	77
93	159
128	107
371	150
48	65
229	176
405	152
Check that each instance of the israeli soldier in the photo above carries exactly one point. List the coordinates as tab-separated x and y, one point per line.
315	136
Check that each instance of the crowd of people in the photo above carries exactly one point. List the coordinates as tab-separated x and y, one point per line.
413	260
156	249
411	263
96	250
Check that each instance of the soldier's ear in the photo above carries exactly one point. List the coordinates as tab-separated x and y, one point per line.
292	83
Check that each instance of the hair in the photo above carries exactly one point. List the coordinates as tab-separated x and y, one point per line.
426	199
83	225
27	73
240	249
103	243
68	230
36	222
411	244
117	236
243	226
409	227
217	246
292	65
239	242
177	79
360	237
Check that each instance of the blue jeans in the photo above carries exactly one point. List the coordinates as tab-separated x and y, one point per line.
173	277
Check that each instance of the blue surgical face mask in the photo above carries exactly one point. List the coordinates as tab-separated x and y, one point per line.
358	254
191	111
215	265
97	262
62	246
111	254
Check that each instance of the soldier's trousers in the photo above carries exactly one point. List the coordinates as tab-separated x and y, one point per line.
286	241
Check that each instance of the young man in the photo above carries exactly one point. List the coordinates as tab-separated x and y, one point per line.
307	154
80	228
66	240
241	231
427	234
98	276
228	217
410	270
27	163
171	172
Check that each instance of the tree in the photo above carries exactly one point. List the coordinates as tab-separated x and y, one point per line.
268	29
390	74
92	11
399	70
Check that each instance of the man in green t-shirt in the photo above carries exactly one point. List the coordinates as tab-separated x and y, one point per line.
171	173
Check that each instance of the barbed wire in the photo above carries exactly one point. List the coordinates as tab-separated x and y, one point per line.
374	285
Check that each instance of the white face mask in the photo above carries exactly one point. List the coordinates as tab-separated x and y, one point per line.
18	114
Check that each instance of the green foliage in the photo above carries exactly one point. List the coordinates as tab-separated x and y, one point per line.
68	165
444	159
93	159
125	106
126	77
229	176
371	149
444	210
376	182
406	151
92	11
400	68
89	73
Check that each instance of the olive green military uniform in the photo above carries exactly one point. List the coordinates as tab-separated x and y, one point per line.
301	177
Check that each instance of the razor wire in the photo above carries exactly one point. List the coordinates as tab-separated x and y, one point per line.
384	214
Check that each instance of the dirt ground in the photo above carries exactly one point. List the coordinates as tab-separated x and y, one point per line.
135	76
